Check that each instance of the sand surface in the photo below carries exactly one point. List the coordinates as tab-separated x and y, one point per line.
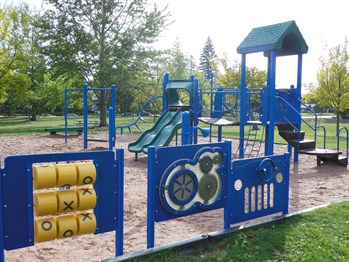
310	186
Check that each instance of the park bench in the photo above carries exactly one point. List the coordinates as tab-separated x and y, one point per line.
54	130
89	123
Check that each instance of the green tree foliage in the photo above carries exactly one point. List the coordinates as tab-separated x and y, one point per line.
105	41
15	30
333	80
208	58
178	66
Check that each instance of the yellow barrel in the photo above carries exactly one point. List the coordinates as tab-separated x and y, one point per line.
86	173
44	177
45	204
67	226
66	175
87	198
86	223
45	230
67	201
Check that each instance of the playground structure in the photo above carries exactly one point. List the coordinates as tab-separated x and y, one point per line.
111	112
170	121
182	180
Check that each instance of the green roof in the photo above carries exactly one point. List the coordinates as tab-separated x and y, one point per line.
285	38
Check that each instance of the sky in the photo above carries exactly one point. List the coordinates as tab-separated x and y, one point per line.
322	23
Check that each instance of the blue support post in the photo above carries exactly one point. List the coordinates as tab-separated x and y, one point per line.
113	104
119	241
287	157
66	116
185	128
85	116
269	146
164	84
229	180
196	107
2	237
243	101
151	198
111	138
298	104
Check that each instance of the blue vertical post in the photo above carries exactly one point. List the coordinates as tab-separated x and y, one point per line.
243	101
85	115
185	128
151	198
66	115
111	129
298	104
229	179
119	241
2	237
196	107
287	181
164	84
113	104
269	145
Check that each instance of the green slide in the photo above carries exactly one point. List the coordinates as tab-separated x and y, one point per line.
158	132
164	137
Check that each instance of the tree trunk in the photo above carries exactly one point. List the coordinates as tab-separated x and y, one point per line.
103	110
337	113
33	116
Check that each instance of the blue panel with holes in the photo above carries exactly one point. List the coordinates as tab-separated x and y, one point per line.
260	187
17	193
189	179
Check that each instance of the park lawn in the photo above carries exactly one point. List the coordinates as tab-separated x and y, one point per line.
21	125
318	235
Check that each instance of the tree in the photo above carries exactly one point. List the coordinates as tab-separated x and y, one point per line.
14	55
208	58
333	80
104	41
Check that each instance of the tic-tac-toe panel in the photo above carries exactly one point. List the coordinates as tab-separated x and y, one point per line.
259	187
58	195
189	179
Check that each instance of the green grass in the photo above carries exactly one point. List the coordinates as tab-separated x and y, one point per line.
21	125
320	235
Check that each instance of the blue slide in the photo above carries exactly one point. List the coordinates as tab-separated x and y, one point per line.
160	134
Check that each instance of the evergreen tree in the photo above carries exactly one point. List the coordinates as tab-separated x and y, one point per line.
208	58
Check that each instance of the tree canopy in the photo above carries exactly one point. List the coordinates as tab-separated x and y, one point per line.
333	80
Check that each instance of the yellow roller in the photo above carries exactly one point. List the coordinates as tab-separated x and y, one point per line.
67	201
45	204
67	226
44	177
86	173
66	175
86	198
45	230
86	223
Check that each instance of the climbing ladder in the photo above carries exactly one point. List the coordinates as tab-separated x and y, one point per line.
253	143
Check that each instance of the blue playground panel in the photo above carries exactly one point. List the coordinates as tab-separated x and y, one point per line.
16	184
191	179
260	187
186	180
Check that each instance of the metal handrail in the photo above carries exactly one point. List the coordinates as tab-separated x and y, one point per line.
324	129
339	131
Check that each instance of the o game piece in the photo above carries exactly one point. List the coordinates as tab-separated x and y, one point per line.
67	226
45	204
66	175
44	177
86	173
45	230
